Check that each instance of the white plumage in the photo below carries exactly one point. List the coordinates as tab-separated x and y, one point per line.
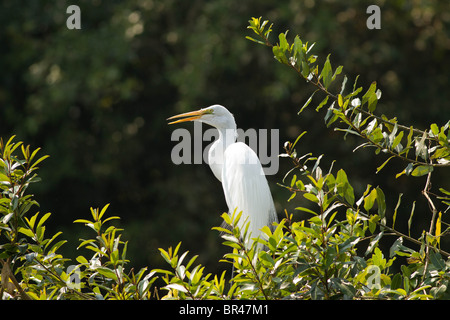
246	188
237	166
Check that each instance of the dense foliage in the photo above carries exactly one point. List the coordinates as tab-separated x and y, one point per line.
96	101
334	253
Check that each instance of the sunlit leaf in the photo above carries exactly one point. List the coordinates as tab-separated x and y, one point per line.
326	73
421	170
370	200
176	286
384	163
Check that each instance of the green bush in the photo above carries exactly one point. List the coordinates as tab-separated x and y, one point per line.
32	268
334	254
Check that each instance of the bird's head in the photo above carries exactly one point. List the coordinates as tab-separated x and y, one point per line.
216	116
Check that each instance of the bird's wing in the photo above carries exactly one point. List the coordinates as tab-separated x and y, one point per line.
246	188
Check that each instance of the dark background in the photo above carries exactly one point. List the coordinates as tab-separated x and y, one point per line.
96	100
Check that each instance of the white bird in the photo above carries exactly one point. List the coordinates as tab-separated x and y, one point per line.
239	170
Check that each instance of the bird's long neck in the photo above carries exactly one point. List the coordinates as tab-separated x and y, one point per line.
216	152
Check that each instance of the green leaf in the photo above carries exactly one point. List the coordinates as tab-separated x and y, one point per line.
347	131
294	178
384	163
39	161
106	272
114	257
279	54
421	148
14	202
26	232
33	154
32	220
298	45
324	101
376	135
381	202
344	188
226	218
409	168
283	42
306	209
40	233
95	249
111	218
374	242
372	124
292	196
102	212
331	116
222	230
370	97
437	261
311	197
344	82
373	222
340	101
83	221
421	170
43	219
370	200
411	217
230	237
254	40
298	51
409	140
434	129
176	286
438	228
354	93
396	208
82	260
396	281
441	153
235	256
326	73
56	246
168	272
345	286
399	174
336	73
357	120
4	178
307	102
397	140
406	171
298	138
305	69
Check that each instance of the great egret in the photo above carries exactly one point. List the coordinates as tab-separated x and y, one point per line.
237	166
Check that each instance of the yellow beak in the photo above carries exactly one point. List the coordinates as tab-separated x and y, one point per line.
188	116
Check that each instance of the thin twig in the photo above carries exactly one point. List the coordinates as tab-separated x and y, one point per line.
425	192
10	275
